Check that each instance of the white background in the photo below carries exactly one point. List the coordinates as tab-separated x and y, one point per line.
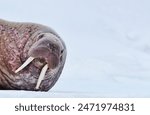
141	106
108	43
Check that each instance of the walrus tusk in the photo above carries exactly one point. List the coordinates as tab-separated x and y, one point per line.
29	60
41	77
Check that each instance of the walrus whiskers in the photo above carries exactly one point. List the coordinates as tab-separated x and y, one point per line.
41	77
28	61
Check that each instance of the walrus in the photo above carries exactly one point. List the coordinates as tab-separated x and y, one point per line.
32	56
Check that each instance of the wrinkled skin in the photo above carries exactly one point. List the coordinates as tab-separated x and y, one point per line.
18	42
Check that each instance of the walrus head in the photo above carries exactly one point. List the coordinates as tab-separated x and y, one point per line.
49	55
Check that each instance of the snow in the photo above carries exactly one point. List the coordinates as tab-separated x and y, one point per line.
108	43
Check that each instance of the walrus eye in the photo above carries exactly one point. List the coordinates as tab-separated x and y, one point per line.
41	36
62	51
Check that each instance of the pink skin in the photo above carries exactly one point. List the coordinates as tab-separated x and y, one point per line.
13	46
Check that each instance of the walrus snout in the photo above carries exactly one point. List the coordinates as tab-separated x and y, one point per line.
48	49
49	57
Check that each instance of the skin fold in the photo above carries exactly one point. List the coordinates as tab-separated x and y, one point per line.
20	41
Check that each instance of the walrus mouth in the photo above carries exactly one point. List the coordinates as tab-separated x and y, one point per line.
51	63
42	74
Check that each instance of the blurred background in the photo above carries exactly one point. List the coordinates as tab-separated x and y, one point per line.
108	45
